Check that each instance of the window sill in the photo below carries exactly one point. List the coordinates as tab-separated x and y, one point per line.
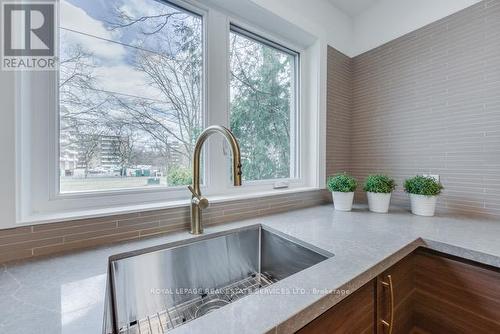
36	219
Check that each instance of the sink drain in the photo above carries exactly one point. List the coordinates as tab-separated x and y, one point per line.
209	306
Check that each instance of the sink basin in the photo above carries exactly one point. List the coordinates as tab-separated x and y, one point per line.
157	289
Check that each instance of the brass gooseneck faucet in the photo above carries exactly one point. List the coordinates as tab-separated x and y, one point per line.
198	202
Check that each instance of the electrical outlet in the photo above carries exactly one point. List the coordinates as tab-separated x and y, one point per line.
433	176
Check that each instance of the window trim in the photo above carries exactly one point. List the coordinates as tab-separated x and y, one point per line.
34	202
269	41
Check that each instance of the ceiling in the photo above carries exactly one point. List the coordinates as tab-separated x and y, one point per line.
352	7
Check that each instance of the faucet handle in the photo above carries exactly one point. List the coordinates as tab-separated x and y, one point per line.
199	200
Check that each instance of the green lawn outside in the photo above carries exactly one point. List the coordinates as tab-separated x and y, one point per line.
69	184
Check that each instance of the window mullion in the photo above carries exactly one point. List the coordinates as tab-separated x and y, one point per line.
218	98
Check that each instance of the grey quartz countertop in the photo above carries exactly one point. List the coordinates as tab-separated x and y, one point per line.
65	294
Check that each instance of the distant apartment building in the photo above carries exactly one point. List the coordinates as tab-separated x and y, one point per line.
174	155
108	154
69	153
74	155
68	157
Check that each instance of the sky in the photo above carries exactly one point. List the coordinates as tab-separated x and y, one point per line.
89	24
114	68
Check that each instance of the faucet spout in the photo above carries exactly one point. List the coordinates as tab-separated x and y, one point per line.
198	202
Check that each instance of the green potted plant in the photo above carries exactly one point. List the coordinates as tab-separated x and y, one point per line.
423	194
378	190
342	187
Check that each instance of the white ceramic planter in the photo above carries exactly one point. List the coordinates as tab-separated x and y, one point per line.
342	201
422	205
379	202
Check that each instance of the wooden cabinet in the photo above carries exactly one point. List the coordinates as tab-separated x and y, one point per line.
455	296
426	292
353	315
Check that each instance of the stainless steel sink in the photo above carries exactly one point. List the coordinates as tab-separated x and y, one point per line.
156	289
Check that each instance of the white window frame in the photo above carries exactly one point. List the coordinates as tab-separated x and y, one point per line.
37	135
295	168
175	192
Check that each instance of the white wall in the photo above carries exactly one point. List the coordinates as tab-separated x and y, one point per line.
379	24
7	150
389	19
318	17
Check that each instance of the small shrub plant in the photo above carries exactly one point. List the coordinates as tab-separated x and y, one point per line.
422	185
342	182
379	184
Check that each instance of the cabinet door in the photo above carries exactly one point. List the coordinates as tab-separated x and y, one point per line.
395	291
354	315
456	296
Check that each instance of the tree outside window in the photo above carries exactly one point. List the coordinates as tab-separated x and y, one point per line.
130	93
262	106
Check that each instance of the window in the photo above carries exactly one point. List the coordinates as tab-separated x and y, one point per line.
263	105
130	94
114	129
